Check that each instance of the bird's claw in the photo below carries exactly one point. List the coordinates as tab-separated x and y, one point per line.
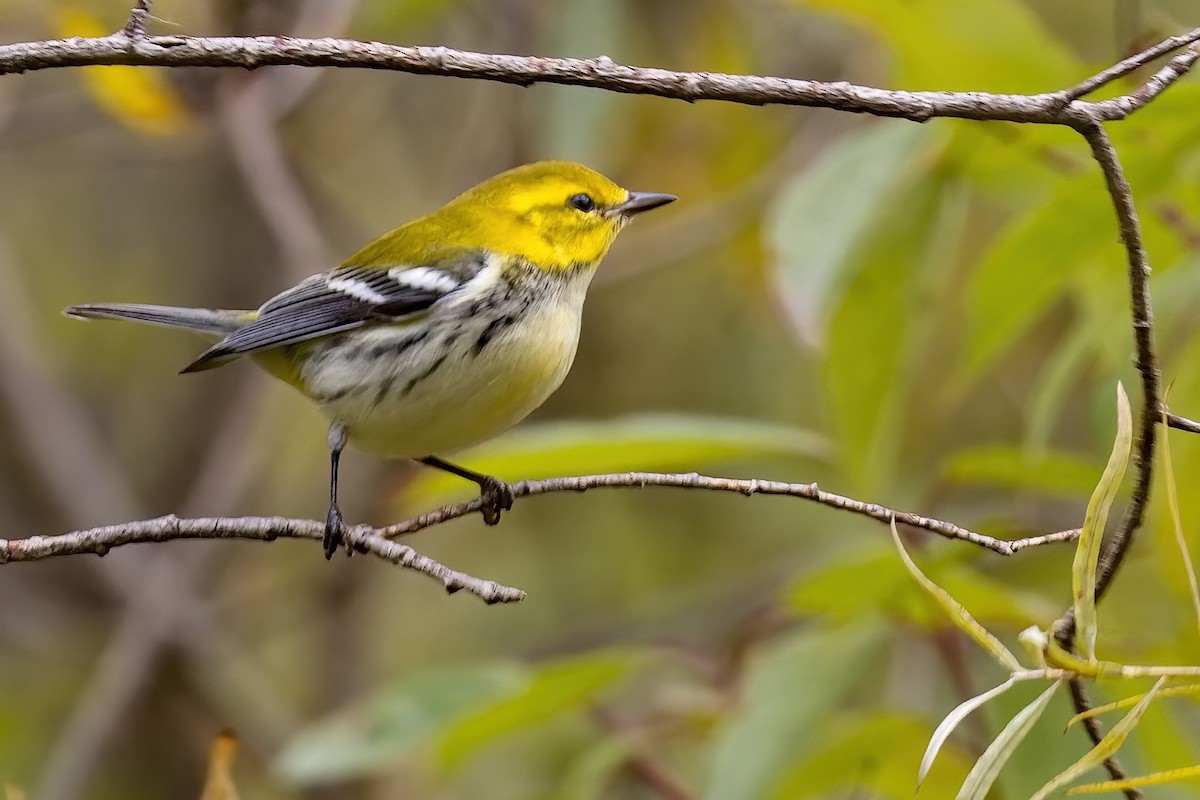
496	496
333	532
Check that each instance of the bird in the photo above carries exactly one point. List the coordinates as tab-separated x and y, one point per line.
440	334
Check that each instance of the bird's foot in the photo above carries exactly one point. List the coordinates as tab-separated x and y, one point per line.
496	496
334	528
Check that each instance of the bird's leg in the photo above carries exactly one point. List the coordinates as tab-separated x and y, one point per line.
496	495
333	521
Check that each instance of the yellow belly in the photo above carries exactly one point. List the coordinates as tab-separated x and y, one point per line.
470	395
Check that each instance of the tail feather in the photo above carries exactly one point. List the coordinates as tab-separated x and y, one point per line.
215	321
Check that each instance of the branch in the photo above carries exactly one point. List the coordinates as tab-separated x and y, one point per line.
1182	423
361	537
376	541
1134	62
1115	548
135	25
1146	360
1062	107
803	491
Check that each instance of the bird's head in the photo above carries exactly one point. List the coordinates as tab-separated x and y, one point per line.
556	214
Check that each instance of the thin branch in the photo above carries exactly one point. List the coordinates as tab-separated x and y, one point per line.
1182	423
748	487
362	538
1116	547
1146	358
139	15
1095	732
1061	107
1133	63
1121	107
377	540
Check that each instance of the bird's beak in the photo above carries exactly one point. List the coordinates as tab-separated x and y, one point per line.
637	202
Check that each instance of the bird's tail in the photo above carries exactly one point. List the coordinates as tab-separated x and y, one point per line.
218	322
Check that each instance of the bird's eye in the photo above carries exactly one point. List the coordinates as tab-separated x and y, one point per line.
582	202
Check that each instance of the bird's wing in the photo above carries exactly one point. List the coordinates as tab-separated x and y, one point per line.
341	299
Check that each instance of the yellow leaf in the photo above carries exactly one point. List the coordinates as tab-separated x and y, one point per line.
1108	746
1087	552
958	614
218	785
140	98
1169	776
1176	518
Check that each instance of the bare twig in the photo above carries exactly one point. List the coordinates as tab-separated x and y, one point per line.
135	25
1061	107
375	540
1146	358
1095	732
804	491
1182	423
1116	547
1121	107
362	538
1134	62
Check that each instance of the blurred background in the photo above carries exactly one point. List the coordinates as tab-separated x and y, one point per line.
931	317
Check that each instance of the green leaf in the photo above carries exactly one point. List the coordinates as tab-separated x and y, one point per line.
877	579
870	756
1107	748
947	45
984	773
961	617
947	726
789	689
554	689
588	777
869	335
823	214
631	443
1087	550
580	126
1029	265
1013	467
394	722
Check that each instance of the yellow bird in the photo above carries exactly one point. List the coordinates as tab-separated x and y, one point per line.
439	335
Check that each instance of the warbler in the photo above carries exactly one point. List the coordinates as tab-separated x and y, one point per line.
439	335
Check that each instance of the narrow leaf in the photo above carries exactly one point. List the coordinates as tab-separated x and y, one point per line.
984	773
1176	518
1154	779
1108	746
778	718
961	617
1087	552
1173	691
951	721
825	212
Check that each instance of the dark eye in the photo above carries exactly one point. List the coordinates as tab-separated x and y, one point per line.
582	202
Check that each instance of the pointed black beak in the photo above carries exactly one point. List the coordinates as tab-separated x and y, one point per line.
637	202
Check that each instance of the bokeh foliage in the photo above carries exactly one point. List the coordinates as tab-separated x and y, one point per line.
930	317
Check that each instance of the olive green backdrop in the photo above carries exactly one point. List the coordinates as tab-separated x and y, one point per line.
930	317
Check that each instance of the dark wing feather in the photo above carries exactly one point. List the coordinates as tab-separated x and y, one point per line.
340	300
